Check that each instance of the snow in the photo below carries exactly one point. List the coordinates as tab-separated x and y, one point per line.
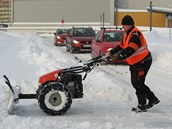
131	10
108	94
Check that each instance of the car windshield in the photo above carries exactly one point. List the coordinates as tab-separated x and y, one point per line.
113	36
84	32
62	31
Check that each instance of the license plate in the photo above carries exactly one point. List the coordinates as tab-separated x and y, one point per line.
86	45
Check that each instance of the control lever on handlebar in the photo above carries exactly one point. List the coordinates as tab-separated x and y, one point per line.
97	60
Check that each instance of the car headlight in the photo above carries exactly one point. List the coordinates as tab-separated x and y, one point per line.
58	37
109	49
76	42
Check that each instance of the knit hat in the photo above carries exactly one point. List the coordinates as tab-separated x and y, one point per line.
127	20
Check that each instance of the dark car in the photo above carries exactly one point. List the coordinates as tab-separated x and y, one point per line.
105	40
60	36
80	39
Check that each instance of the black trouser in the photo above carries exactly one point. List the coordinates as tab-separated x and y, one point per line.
138	75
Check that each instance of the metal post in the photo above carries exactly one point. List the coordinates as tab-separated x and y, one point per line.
103	18
100	20
116	13
169	17
150	15
170	31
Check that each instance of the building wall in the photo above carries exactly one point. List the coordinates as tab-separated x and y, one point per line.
142	4
69	10
86	11
5	11
143	18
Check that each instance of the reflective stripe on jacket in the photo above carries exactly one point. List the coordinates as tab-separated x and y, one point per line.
141	52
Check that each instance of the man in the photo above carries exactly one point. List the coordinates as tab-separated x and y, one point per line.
133	48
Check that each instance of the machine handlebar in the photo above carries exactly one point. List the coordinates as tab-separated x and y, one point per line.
87	67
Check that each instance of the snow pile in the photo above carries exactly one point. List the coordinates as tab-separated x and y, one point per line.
161	51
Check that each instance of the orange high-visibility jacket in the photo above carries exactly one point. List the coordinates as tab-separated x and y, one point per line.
140	53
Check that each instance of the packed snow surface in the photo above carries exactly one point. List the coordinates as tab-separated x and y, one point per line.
108	94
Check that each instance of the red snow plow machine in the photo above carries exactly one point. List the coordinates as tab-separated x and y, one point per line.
56	89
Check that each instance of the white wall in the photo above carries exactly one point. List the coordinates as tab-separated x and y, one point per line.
55	10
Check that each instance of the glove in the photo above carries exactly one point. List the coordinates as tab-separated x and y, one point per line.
108	55
115	56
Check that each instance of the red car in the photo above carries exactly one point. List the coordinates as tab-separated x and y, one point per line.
60	36
80	39
105	40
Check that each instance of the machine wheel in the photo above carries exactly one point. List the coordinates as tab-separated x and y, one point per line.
54	99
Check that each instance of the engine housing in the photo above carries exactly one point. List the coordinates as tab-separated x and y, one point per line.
73	82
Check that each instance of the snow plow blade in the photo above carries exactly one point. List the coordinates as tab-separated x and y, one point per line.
16	95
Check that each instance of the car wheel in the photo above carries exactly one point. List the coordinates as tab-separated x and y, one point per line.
64	40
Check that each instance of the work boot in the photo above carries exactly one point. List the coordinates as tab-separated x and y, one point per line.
139	108
152	102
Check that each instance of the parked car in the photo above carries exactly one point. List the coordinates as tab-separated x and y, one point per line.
80	39
60	36
105	40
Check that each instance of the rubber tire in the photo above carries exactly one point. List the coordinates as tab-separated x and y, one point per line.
54	87
55	44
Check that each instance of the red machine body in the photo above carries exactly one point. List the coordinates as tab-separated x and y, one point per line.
52	76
